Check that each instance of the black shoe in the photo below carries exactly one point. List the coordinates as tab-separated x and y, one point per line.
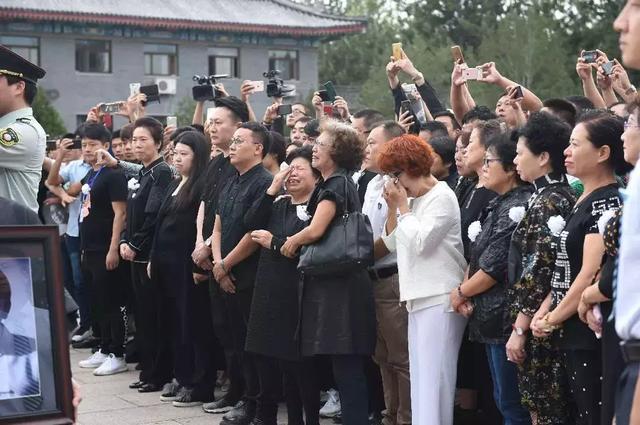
138	366
187	398
136	385
242	414
88	343
170	391
150	388
222	405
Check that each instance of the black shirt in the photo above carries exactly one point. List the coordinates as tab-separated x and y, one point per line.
582	221
473	202
143	205
240	193
96	215
219	172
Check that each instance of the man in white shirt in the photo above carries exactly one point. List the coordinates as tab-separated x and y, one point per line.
391	352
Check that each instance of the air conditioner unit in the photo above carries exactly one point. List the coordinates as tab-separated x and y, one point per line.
166	85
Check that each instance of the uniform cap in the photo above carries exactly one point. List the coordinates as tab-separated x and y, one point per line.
14	65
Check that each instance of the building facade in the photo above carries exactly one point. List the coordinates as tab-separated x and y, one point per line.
93	49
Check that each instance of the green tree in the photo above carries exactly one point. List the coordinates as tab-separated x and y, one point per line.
184	111
47	115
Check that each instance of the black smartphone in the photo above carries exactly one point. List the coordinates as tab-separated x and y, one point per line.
607	68
590	56
405	106
153	93
324	95
518	94
77	143
331	91
284	109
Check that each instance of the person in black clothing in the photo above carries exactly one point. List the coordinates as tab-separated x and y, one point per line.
337	311
449	120
145	197
236	255
228	115
444	165
271	331
183	309
102	219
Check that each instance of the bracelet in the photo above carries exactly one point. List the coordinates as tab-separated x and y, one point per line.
224	269
460	294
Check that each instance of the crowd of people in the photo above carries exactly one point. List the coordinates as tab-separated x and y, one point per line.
500	288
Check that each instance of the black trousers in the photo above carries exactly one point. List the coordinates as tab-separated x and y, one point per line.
584	374
349	373
625	392
300	389
155	351
108	301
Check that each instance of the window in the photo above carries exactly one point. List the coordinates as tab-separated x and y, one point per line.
93	56
160	59
223	60
286	61
27	47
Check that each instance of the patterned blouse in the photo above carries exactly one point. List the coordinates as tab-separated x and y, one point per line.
532	253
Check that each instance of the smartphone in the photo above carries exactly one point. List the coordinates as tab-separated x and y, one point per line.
284	109
258	86
397	51
51	145
110	108
77	143
328	110
405	106
152	91
590	56
134	88
519	94
331	91
456	52
608	67
172	121
324	95
472	74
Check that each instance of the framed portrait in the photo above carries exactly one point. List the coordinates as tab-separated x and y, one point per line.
35	375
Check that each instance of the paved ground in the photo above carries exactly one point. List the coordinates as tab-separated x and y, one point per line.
107	400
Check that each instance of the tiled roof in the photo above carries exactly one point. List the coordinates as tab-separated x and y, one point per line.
276	17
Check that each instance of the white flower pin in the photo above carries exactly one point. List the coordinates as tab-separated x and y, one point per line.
556	224
301	211
86	189
133	184
604	219
517	214
474	230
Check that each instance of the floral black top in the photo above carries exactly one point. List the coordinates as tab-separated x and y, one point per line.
489	322
532	253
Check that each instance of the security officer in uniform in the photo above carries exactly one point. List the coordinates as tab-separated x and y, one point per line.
22	139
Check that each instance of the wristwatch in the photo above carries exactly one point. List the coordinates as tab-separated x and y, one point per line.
517	330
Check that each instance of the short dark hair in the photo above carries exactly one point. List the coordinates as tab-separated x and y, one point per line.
391	129
237	107
94	131
30	89
153	126
450	115
445	148
581	103
544	132
487	130
303	119
261	134
126	132
278	146
371	118
436	128
605	129
481	113
564	109
305	152
115	134
505	149
198	127
348	149
312	129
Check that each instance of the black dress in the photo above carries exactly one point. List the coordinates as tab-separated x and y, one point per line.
338	312
274	309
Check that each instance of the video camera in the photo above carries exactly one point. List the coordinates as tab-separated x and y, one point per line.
276	86
205	89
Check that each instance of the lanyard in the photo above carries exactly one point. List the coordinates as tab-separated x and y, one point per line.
91	181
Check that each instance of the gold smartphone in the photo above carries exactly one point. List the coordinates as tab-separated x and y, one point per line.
456	52
397	51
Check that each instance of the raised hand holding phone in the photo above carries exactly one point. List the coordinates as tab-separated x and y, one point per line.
490	74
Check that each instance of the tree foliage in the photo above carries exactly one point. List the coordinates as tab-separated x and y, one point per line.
47	116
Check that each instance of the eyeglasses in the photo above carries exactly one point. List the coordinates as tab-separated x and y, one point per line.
627	125
319	143
488	161
239	141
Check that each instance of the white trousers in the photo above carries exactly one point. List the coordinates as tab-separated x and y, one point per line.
434	341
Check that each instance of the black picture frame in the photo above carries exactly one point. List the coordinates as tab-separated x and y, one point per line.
36	249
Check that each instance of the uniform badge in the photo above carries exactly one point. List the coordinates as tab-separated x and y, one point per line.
8	137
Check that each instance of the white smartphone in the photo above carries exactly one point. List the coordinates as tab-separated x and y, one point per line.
472	74
172	121
257	86
134	88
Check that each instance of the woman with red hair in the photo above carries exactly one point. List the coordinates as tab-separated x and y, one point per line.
425	233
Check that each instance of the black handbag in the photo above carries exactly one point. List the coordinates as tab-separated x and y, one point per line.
346	245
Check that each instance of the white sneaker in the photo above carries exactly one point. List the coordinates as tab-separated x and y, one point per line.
332	407
83	336
94	361
111	366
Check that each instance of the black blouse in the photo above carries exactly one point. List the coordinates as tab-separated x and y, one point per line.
473	202
582	221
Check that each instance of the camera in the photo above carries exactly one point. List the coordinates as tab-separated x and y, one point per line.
276	86
590	56
205	89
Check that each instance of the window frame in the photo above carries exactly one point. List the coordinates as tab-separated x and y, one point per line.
10	45
109	51
151	56
296	63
